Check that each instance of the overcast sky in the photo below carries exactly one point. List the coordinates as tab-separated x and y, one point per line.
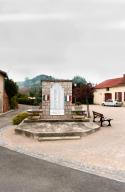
62	38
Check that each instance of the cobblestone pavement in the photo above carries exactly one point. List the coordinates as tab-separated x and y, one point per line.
102	153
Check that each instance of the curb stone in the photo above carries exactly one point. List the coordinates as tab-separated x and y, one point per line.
2	114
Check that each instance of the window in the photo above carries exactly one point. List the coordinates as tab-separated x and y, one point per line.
107	89
108	96
118	96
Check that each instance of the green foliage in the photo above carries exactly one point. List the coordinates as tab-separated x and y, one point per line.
19	118
37	93
13	102
78	80
11	88
35	90
23	99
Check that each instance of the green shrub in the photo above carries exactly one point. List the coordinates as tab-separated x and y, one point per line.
26	101
13	102
19	118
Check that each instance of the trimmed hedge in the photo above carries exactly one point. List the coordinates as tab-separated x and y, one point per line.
19	118
25	101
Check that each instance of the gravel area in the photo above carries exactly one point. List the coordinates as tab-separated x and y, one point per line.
102	153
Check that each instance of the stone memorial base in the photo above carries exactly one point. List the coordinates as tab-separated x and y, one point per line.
44	130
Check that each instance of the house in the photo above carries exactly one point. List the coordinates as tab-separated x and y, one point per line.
110	89
4	104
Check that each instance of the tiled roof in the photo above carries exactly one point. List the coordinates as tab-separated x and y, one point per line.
111	83
3	73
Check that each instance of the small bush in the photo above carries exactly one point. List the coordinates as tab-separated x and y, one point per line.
25	101
13	103
19	118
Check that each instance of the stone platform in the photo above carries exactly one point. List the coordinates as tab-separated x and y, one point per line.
56	130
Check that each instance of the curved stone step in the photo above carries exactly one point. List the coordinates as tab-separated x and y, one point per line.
58	138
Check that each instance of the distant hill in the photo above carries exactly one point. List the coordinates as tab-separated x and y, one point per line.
34	82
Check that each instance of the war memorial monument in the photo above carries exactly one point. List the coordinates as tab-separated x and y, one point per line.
57	118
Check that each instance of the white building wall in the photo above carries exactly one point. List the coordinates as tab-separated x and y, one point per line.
1	92
99	94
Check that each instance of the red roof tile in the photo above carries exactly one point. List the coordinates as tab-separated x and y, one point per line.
111	83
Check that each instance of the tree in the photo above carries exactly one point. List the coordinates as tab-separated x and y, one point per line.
11	89
88	94
78	80
83	93
37	93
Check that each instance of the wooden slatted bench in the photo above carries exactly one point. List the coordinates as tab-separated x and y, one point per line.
101	118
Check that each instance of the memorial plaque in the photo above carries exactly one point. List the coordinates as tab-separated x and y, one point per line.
56	100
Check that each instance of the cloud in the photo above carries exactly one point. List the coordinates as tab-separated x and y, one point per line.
62	38
108	1
116	25
35	17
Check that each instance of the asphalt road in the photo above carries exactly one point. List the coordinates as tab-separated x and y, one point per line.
6	120
21	173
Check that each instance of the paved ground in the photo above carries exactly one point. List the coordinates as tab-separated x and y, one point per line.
6	119
102	153
20	173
